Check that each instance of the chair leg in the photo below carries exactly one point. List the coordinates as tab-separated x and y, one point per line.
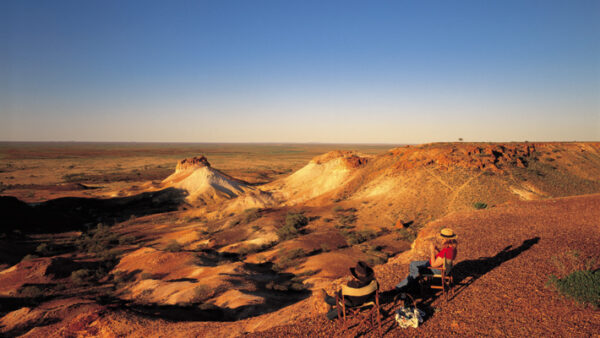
378	314
344	316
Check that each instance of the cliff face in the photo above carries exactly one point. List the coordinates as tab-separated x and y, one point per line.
192	163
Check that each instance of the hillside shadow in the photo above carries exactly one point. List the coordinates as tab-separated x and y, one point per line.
78	213
278	289
274	287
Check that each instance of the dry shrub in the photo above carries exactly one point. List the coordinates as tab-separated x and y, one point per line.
80	276
31	291
201	293
173	246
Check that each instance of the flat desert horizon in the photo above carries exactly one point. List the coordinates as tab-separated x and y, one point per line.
369	169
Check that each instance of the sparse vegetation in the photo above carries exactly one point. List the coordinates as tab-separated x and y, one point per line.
251	248
578	277
345	217
97	240
146	275
31	291
80	276
582	285
376	256
283	286
29	257
127	240
173	246
201	293
479	205
406	234
325	247
287	258
296	220
291	228
251	215
357	237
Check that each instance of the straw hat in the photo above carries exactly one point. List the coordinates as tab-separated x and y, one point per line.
447	233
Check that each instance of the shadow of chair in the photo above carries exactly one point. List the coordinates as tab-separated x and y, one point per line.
345	311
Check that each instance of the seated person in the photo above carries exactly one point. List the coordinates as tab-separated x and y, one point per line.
436	259
363	276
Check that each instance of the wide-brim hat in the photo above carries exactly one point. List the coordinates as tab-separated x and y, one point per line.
362	271
448	233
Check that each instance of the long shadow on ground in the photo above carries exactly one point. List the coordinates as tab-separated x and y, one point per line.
464	273
468	271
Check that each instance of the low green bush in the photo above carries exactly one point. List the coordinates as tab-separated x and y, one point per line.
287	258
577	277
80	276
287	232
325	247
479	205
250	249
251	215
146	275
582	285
29	257
97	240
201	293
43	249
406	234
296	220
173	246
31	291
291	228
357	237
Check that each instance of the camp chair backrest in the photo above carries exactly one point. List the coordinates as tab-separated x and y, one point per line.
364	291
448	265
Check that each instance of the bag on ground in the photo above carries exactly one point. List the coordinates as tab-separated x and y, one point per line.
409	317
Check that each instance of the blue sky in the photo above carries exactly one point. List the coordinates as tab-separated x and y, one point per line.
287	71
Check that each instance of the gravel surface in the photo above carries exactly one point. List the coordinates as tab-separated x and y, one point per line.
503	264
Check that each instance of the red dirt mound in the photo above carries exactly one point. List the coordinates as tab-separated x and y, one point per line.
350	158
492	157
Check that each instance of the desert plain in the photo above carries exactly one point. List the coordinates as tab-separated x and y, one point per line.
142	239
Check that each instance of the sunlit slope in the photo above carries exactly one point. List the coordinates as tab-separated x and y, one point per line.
425	182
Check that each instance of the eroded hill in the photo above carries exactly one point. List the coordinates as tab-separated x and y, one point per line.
255	254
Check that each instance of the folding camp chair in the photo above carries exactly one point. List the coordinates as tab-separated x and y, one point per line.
445	277
345	311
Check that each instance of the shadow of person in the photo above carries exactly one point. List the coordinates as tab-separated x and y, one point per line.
464	272
467	271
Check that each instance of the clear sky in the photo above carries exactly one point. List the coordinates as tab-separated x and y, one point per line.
299	71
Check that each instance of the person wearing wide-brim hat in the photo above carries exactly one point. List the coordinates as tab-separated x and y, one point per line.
436	259
363	275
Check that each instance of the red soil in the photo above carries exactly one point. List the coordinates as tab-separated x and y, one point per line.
502	269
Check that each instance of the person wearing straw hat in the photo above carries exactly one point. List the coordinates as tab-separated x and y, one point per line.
363	275
436	259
